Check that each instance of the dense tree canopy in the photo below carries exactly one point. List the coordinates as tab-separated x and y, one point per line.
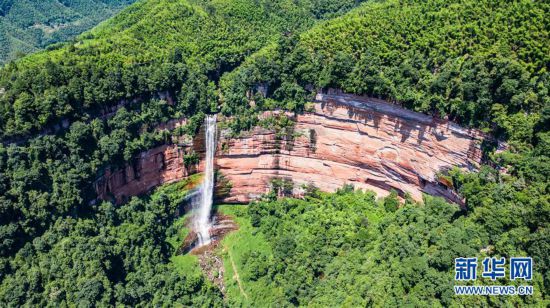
68	113
483	64
113	256
27	26
93	104
478	63
347	249
157	45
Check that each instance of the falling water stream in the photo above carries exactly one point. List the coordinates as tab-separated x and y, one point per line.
202	216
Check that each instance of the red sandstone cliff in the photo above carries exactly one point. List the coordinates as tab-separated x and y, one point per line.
152	168
348	140
344	140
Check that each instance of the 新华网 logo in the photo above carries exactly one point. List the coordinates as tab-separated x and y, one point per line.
466	269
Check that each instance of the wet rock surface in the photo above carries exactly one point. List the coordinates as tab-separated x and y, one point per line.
221	225
209	256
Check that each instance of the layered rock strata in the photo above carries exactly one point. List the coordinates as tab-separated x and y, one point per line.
152	168
350	140
343	140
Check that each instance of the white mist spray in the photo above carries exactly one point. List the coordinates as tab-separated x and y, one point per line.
202	218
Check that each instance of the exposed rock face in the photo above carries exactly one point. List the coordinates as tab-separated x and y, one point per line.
152	168
349	140
345	140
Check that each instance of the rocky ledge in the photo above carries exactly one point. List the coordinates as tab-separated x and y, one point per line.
351	140
344	139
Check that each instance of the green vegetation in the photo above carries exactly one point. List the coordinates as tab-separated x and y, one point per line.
236	248
69	113
483	64
126	58
27	26
53	175
478	63
345	249
111	256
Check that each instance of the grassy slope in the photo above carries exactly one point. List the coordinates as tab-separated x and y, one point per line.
184	264
235	246
248	243
187	264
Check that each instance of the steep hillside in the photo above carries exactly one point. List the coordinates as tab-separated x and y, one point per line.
341	140
68	113
27	26
467	61
483	64
152	46
144	80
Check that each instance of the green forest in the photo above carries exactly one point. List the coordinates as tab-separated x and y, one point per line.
70	112
348	249
27	26
115	255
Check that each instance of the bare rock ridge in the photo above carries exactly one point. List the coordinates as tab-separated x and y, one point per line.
344	140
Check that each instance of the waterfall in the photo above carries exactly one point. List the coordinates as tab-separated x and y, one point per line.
202	215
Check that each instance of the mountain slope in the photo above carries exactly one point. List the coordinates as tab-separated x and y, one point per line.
27	26
75	112
454	59
484	64
72	112
152	46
